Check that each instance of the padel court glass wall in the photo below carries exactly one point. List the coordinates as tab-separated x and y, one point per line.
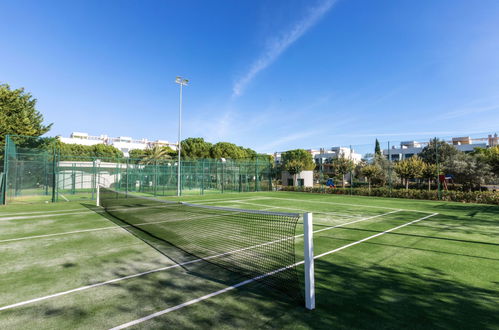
40	173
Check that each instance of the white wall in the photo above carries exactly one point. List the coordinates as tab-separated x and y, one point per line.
307	176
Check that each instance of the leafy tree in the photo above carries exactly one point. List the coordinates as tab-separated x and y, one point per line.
384	164
249	153
341	166
468	170
370	172
80	152
193	148
156	154
445	151
409	168
377	148
489	156
137	154
297	160
429	172
227	150
18	116
103	150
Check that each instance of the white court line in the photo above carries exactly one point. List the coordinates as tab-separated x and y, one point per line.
44	215
57	234
218	199
232	287
172	266
67	200
227	201
36	212
346	204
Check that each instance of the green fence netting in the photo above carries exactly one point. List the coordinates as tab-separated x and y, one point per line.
36	171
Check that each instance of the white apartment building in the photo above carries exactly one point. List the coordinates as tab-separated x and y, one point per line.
408	149
123	143
325	156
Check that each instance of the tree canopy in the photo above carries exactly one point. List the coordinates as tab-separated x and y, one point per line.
377	148
445	151
18	115
490	156
297	160
409	168
341	166
227	150
151	155
196	148
77	151
371	171
468	170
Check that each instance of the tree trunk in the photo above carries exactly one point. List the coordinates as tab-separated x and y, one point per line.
343	180
295	180
406	184
429	184
369	186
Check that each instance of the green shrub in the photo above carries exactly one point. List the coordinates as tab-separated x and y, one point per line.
483	197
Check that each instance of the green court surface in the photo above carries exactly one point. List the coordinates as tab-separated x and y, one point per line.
381	263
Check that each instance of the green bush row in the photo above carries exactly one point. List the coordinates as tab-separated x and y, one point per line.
483	197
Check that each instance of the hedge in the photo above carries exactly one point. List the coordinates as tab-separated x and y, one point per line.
483	197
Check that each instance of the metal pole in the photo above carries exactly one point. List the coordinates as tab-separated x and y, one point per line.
439	187
309	261
351	173
389	168
178	144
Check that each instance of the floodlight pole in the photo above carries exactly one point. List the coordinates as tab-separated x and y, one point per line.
182	82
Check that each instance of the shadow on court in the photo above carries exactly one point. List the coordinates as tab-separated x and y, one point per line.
196	265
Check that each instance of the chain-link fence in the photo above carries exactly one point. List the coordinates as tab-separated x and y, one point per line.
38	172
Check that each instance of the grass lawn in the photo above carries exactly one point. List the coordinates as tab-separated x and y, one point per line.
421	264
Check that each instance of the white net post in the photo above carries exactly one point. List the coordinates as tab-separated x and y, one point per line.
309	262
98	196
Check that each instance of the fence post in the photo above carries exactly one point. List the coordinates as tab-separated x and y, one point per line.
438	170
390	184
256	174
127	176
223	176
54	175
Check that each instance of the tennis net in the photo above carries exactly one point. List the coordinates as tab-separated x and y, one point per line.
249	243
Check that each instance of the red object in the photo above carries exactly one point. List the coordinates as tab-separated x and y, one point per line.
441	178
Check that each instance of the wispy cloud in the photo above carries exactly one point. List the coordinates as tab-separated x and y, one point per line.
468	111
409	134
280	44
472	107
285	139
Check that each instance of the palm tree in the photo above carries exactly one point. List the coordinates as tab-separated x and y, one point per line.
156	154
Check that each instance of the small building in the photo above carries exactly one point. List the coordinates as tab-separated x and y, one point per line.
303	179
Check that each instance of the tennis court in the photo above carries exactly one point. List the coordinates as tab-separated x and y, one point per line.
380	263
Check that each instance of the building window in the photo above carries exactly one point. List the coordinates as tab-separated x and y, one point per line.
290	182
301	182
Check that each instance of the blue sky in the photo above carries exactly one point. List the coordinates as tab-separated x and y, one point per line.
270	75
